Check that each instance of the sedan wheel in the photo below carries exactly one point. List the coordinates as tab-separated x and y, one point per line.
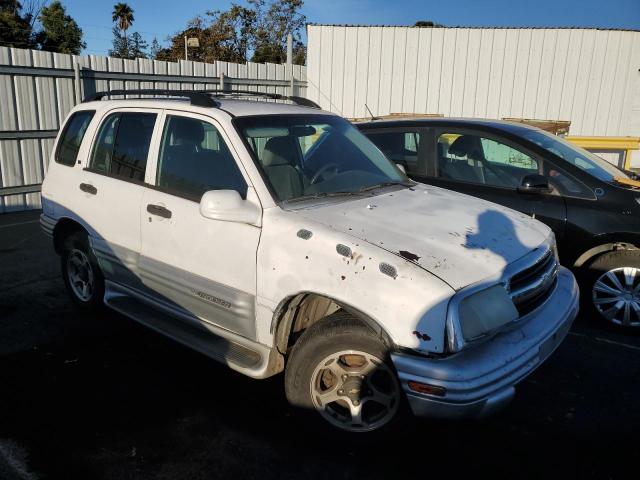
616	296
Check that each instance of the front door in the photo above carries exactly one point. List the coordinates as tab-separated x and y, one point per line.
204	268
492	168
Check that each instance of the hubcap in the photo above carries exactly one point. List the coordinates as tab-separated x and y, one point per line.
616	295
355	391
80	275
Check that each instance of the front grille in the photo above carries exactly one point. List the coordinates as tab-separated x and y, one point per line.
530	287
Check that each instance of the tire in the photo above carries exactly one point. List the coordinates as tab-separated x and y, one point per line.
81	273
339	367
611	288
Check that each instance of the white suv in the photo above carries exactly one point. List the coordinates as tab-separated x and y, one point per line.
272	236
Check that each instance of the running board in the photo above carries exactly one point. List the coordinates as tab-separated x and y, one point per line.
238	353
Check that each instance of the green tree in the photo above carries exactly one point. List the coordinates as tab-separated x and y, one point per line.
119	47
281	18
222	35
60	33
16	29
258	30
137	46
427	23
122	15
154	49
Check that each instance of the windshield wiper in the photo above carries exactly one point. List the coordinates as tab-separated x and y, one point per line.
384	184
321	195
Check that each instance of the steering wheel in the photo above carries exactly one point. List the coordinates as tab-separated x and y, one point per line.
322	170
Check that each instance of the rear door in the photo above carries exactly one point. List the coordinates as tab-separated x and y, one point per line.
194	265
111	188
403	146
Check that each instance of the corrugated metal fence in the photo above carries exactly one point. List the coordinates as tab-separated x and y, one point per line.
589	77
38	89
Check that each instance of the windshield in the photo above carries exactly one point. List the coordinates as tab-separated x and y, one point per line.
305	156
584	160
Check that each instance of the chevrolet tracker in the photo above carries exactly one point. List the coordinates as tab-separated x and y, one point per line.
276	237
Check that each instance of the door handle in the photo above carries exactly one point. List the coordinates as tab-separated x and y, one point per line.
159	210
88	188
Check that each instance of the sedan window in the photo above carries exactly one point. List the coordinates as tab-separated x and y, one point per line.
475	159
401	147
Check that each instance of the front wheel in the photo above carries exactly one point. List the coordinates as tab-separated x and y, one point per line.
612	285
340	369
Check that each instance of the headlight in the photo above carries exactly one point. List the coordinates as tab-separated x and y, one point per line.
485	311
479	314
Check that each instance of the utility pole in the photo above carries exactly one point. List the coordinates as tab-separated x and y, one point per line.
289	66
289	49
185	48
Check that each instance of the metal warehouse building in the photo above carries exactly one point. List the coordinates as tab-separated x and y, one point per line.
588	77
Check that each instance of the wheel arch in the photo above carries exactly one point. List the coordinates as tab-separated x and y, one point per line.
298	312
608	243
64	227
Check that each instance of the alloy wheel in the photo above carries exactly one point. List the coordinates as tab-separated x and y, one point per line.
80	274
355	391
616	296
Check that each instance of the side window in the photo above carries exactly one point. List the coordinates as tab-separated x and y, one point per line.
399	147
195	159
565	184
122	145
475	159
72	136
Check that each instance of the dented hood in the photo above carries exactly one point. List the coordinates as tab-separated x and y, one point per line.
459	238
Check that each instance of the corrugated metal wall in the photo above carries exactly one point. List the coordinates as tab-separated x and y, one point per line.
33	103
589	77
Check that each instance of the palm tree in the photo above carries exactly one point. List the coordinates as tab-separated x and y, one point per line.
123	15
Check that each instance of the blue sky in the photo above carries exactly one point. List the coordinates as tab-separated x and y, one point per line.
161	18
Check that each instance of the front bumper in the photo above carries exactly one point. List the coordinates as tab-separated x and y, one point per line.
47	224
481	380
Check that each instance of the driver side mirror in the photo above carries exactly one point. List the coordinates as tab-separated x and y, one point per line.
228	206
534	183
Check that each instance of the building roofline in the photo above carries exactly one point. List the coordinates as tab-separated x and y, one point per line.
473	27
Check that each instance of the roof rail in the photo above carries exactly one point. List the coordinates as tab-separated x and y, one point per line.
200	98
203	98
305	102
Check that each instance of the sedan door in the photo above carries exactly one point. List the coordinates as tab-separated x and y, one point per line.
194	265
493	168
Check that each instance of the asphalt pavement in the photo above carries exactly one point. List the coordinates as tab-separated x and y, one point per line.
101	397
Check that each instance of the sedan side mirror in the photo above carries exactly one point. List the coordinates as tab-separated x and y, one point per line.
228	206
534	183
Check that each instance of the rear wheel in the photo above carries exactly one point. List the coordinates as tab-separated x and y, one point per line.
81	272
612	286
340	369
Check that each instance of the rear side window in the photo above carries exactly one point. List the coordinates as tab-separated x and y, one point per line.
401	147
72	136
122	145
195	159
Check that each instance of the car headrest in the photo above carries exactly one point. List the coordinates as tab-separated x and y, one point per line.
187	131
279	151
462	146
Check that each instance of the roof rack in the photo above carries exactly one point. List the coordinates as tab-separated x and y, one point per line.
203	98
305	102
197	97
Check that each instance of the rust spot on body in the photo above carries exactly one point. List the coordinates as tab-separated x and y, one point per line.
409	256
